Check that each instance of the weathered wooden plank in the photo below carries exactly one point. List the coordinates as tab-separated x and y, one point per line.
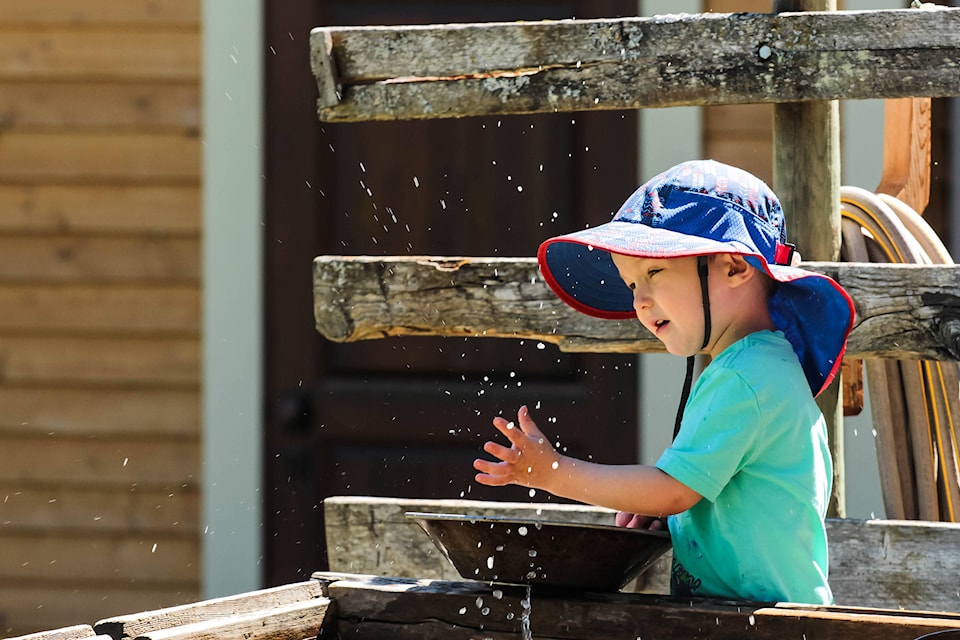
33	605
373	607
903	311
289	622
108	208
216	610
628	63
76	632
873	563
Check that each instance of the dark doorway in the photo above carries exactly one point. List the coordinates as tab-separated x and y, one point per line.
405	417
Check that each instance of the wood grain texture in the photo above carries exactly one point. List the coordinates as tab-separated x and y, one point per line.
179	13
903	311
215	610
37	157
155	362
62	409
91	309
103	105
106	210
99	54
630	63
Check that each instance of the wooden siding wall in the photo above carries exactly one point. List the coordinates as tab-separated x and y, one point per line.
99	309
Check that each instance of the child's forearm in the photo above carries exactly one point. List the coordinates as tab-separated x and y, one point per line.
632	488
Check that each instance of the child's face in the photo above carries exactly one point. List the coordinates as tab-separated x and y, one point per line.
667	299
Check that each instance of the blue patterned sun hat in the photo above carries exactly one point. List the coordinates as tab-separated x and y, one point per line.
699	208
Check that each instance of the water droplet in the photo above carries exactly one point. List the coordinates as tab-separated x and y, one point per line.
522	530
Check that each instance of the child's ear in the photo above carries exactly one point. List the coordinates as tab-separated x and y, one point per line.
736	269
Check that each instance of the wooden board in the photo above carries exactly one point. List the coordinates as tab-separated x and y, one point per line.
73	507
167	210
87	309
86	560
372	607
104	105
369	73
73	258
99	54
216	609
113	12
100	462
67	410
873	563
75	632
34	606
154	362
903	311
32	157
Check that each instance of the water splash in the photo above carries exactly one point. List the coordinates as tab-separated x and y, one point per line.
525	632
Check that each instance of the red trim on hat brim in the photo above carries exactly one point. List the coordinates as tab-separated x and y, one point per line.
569	300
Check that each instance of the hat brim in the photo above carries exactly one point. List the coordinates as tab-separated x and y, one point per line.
813	311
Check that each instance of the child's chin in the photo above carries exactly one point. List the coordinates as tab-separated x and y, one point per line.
677	351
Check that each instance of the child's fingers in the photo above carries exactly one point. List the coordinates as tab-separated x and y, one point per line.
510	430
507	454
494	474
527	425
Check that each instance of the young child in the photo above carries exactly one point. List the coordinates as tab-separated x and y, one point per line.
698	254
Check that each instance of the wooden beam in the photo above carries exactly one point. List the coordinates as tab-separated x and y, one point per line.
375	607
906	151
214	611
440	71
806	176
903	311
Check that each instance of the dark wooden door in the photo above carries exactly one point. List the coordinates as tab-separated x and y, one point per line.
405	417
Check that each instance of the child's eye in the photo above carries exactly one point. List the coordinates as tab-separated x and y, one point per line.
653	272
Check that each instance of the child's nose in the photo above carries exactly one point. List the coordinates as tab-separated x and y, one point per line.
641	299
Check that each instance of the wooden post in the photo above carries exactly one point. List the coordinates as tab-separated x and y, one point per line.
806	177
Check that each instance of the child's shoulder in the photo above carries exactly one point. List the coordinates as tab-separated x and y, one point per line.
761	358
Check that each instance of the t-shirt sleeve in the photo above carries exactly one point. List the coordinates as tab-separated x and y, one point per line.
717	435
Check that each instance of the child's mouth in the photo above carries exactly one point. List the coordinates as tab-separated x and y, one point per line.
660	324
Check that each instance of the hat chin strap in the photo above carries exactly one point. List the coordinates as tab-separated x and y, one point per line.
688	378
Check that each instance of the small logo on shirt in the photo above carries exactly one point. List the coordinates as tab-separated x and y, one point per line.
682	582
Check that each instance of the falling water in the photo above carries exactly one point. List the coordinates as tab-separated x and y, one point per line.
525	617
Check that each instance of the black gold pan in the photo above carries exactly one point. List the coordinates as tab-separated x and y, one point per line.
563	554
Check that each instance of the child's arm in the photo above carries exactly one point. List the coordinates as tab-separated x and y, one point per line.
532	461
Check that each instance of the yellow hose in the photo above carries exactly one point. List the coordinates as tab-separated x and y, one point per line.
916	407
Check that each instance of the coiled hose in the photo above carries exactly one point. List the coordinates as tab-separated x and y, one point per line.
915	405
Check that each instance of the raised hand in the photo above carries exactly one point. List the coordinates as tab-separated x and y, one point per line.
530	460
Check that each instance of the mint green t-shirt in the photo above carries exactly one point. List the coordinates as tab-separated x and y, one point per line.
753	443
